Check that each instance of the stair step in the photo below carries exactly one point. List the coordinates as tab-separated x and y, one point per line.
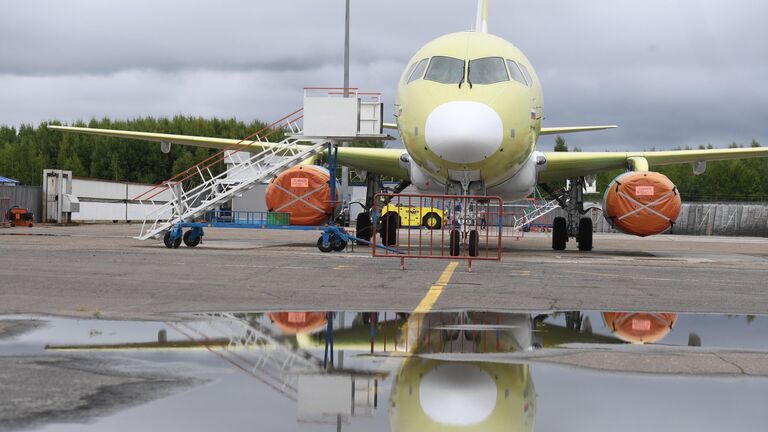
223	189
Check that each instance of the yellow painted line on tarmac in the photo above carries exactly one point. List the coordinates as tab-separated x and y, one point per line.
436	290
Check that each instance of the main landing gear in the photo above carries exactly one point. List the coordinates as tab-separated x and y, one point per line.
575	224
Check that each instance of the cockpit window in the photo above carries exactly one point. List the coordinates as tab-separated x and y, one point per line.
418	71
410	71
526	73
445	70
487	70
517	75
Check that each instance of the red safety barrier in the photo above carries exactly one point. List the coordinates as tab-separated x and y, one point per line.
437	227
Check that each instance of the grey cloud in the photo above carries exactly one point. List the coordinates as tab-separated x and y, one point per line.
670	73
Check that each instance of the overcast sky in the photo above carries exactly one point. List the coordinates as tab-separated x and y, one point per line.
669	72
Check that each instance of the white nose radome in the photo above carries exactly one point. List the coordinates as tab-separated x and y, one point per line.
463	131
457	394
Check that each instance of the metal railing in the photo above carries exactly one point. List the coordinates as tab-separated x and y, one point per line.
438	227
215	189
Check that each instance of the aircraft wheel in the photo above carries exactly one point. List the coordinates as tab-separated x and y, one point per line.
363	226
187	237
559	233
585	234
474	243
389	224
432	221
455	243
324	248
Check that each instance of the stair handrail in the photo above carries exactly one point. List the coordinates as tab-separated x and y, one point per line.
166	183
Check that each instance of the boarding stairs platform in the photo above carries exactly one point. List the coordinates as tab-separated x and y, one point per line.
309	130
536	212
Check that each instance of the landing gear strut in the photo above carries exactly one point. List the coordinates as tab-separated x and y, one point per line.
575	224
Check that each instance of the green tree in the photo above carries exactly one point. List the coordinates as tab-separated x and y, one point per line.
560	145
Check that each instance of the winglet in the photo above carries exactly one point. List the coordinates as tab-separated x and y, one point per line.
481	25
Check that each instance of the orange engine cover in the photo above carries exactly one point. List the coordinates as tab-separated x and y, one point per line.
304	192
298	322
640	327
641	203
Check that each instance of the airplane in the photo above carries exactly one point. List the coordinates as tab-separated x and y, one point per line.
469	108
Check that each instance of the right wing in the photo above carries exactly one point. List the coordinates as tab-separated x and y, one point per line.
572	129
382	161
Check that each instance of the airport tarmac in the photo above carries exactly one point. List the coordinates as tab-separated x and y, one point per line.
216	335
100	270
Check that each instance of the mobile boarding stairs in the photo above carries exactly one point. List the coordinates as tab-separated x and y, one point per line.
329	116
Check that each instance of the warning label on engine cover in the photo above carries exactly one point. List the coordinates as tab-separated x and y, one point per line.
644	190
304	182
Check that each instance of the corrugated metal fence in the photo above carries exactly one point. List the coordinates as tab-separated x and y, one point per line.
725	219
24	196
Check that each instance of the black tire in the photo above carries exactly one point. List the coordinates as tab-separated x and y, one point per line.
167	240
432	221
189	242
338	244
585	234
559	233
474	243
390	223
323	248
363	226
455	243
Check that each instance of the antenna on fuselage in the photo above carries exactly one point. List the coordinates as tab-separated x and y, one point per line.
481	25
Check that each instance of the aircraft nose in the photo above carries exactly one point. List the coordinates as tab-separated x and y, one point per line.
464	131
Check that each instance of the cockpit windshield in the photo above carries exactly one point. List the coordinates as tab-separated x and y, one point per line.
517	75
418	70
445	70
487	70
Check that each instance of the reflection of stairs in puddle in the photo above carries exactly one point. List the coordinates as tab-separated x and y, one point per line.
255	350
295	373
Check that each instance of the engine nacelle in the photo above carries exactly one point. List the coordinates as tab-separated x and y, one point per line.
641	203
303	191
640	327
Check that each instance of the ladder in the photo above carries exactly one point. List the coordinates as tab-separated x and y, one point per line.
537	212
213	190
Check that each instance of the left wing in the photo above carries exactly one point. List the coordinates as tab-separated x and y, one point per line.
564	165
382	161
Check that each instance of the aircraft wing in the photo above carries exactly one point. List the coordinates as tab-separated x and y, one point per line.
382	161
572	129
564	165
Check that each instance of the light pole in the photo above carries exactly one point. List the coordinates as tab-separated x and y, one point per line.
344	169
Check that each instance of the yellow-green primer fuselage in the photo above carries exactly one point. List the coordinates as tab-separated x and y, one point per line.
479	129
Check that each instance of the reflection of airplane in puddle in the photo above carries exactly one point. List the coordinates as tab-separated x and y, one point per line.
436	388
438	393
450	373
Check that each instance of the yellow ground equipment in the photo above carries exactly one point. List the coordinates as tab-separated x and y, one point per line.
428	217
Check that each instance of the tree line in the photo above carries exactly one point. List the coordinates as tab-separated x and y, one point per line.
27	150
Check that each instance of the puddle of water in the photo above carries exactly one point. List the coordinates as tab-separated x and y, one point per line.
469	370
